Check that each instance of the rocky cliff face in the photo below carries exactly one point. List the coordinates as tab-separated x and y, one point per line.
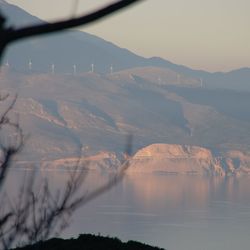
170	159
102	161
183	159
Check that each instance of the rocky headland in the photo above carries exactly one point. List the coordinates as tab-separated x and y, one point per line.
185	159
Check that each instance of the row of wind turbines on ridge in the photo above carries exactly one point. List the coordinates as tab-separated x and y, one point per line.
53	67
92	70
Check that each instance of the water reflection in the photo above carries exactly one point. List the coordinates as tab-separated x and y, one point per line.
174	212
187	191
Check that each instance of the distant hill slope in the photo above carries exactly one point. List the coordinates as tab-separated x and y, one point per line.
89	242
65	114
82	49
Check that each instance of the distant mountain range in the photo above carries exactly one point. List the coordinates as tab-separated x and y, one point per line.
82	49
68	113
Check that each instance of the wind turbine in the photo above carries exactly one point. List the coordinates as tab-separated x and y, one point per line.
178	78
159	80
92	67
7	63
74	69
30	64
53	68
201	82
111	69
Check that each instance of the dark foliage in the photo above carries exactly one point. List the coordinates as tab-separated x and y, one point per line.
89	242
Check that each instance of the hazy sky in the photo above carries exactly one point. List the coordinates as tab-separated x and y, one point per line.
204	34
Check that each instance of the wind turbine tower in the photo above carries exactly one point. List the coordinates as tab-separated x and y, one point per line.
30	64
53	68
111	69
74	69
7	63
178	78
201	82
159	80
92	68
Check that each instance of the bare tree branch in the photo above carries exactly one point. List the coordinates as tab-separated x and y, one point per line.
9	151
37	213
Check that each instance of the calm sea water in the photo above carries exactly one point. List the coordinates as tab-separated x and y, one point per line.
173	212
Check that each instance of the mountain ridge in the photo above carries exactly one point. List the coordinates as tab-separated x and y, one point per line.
82	49
91	111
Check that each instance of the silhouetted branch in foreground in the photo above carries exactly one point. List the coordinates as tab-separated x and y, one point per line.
39	213
13	146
